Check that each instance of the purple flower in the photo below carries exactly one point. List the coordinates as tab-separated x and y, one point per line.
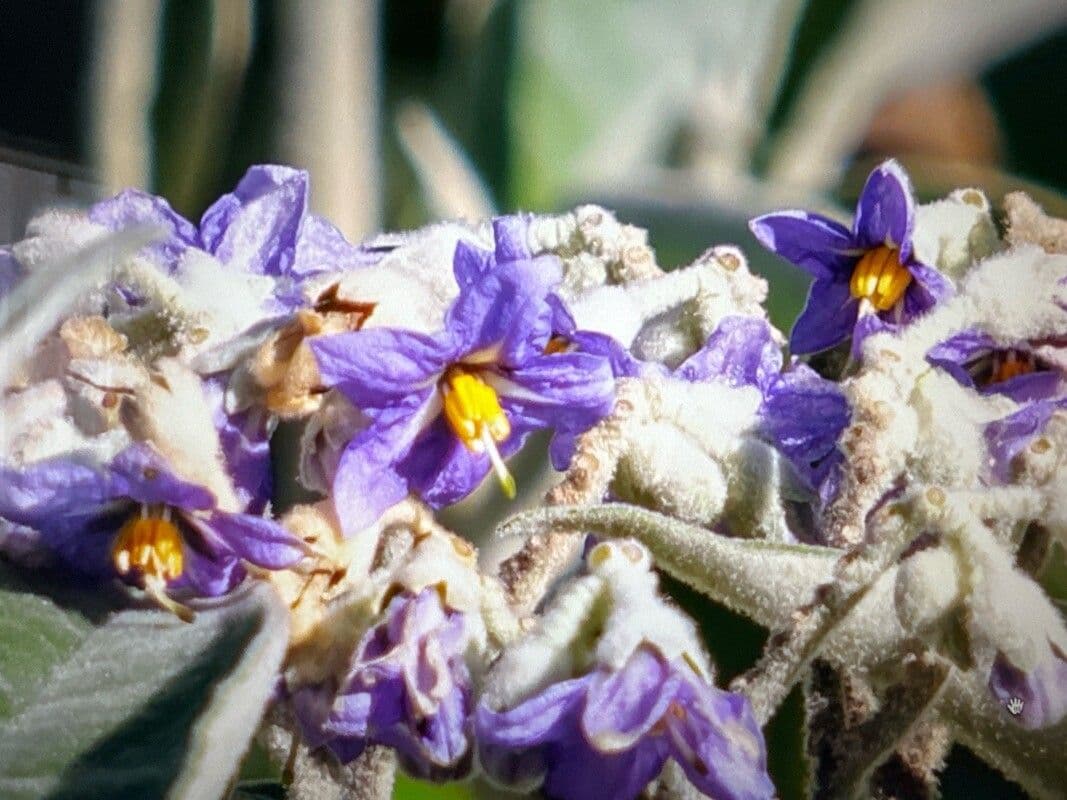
1007	437
607	733
802	414
1034	699
408	687
867	276
446	408
135	519
974	359
263	227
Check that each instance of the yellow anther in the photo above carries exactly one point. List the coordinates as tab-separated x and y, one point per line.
880	278
150	544
473	411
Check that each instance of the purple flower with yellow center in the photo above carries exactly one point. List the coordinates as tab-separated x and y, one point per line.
867	279
408	687
976	360
607	733
447	408
135	519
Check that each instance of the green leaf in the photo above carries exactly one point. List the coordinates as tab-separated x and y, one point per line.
140	706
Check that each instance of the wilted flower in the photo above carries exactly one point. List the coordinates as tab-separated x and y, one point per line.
407	686
640	694
135	519
867	276
447	408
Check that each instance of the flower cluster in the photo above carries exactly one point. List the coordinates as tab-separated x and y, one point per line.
891	514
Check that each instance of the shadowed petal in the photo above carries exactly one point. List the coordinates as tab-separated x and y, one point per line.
261	541
819	245
885	212
1035	699
827	319
148	479
929	288
953	354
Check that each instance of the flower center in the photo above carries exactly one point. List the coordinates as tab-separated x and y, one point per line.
880	278
151	544
472	408
1010	364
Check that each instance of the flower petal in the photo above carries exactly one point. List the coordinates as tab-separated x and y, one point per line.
817	244
470	263
1007	437
261	541
716	740
622	706
953	354
368	480
148	479
134	207
1037	699
52	490
377	367
255	228
928	288
885	212
509	235
741	351
827	319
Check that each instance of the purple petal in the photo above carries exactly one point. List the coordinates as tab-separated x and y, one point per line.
741	351
620	360
470	263
245	440
505	316
514	745
261	541
254	229
713	734
622	706
955	353
885	213
509	235
1037	699
1042	385
566	392
827	319
10	271
134	207
321	248
803	415
1007	437
928	288
51	490
208	576
377	367
816	244
442	470
868	325
368	480
148	479
580	772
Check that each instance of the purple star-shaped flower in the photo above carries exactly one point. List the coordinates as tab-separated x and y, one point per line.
607	733
447	407
975	359
137	520
408	687
866	279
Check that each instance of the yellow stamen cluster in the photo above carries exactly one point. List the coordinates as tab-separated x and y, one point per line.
473	411
1011	365
880	278
150	544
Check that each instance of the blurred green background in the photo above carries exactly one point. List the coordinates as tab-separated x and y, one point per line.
685	117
